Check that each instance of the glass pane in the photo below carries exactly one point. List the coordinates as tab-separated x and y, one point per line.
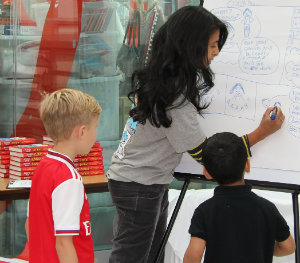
93	46
90	46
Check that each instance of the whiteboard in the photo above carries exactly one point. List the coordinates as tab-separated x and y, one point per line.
189	165
258	66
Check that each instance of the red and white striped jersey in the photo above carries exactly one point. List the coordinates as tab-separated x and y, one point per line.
58	205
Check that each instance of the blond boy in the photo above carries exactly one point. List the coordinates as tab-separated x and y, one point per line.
59	217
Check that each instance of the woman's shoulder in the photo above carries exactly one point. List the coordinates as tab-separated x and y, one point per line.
181	102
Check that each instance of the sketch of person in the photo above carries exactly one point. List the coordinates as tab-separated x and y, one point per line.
238	100
293	72
269	102
231	30
248	19
231	46
293	51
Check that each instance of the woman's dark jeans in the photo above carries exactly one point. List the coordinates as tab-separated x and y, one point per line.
140	221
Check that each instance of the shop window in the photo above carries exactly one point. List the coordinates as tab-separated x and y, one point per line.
50	45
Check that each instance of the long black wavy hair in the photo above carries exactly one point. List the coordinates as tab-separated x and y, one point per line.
176	66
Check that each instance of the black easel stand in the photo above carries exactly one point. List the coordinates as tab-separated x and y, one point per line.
172	220
187	178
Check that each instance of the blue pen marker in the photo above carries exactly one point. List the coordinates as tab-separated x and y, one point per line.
274	111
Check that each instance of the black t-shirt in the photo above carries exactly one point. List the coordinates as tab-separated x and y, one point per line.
238	226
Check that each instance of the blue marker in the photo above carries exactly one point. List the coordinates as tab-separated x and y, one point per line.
274	111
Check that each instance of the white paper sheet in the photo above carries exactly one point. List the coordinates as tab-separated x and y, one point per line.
258	66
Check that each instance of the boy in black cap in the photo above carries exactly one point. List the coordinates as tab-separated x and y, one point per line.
235	225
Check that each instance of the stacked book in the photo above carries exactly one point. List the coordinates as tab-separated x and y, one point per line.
48	140
5	143
88	164
24	159
91	163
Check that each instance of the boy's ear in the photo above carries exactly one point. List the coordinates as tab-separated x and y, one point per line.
247	166
79	130
206	174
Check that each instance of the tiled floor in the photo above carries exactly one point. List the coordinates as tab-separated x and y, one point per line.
102	256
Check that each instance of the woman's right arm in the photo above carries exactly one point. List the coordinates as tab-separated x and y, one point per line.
265	128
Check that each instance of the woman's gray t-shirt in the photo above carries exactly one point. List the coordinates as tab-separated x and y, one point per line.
149	155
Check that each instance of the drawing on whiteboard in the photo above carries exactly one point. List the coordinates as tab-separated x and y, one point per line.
258	66
231	45
259	56
293	72
295	95
248	19
237	100
240	3
269	102
240	98
230	16
294	51
294	120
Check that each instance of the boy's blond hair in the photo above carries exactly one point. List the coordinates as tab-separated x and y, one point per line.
62	110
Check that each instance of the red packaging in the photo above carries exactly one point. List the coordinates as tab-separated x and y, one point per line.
23	164
4	175
26	160
48	143
81	164
92	172
90	154
88	168
4	148
30	148
4	157
96	145
96	149
28	155
4	170
16	140
6	161
18	173
4	166
4	152
16	177
47	138
22	169
88	159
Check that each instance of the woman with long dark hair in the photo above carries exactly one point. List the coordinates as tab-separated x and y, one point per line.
163	124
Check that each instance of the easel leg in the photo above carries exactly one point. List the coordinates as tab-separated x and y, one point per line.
296	224
172	220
